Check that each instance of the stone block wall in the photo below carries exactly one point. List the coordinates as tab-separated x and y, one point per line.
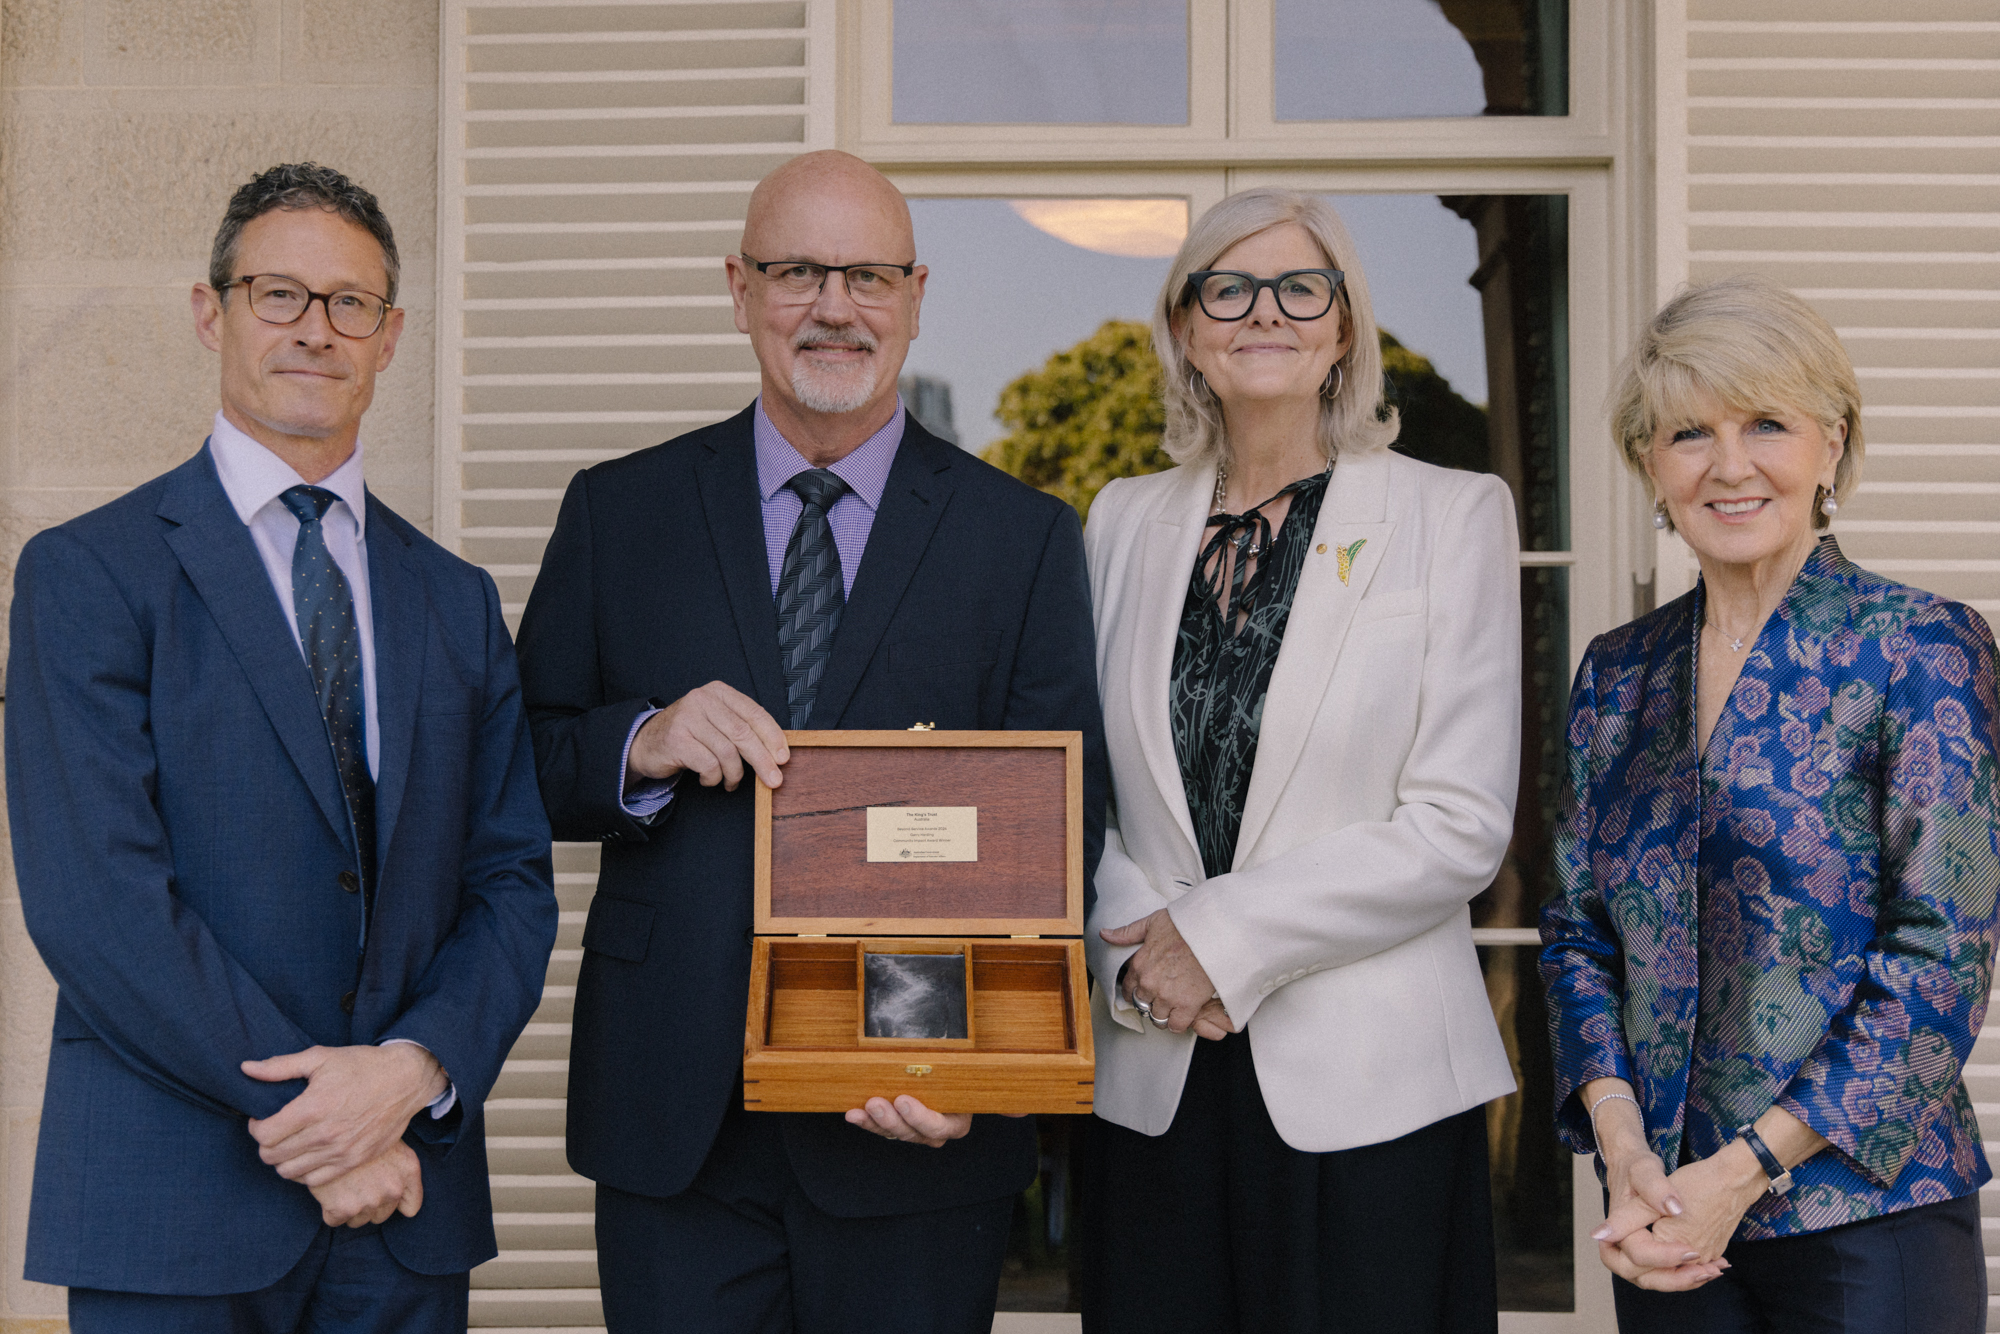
124	126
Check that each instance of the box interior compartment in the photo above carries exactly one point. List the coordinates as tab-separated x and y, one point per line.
1020	999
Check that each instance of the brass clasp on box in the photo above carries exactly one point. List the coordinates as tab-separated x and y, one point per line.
923	727
918	1070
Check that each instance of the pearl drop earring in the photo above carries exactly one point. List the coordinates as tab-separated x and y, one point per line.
1829	507
1660	515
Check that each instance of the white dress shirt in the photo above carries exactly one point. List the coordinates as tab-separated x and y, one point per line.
253	478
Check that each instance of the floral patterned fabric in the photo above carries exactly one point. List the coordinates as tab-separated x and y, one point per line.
1220	677
1807	916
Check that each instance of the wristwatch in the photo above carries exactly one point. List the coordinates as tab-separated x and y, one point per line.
1779	1177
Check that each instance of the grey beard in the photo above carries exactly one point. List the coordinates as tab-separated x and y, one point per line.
831	391
821	391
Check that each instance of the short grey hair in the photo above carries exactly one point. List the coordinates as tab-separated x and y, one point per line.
300	185
1355	420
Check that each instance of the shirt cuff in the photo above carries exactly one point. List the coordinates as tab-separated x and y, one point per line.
642	800
445	1101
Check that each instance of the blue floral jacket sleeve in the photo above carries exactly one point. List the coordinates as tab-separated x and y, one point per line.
1891	1059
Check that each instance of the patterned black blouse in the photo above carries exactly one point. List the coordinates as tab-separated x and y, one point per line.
1216	702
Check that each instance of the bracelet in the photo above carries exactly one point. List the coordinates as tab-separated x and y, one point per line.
1612	1097
1777	1179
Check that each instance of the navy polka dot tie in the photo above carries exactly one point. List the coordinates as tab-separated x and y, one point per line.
332	642
810	594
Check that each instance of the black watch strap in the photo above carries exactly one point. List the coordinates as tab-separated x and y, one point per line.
1775	1171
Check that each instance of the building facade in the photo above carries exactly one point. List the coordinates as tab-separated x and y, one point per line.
565	176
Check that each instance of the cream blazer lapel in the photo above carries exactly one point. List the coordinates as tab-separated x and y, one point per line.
1170	544
1356	510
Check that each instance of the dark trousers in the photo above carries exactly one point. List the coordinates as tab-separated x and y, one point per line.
348	1283
1921	1271
1219	1225
743	1251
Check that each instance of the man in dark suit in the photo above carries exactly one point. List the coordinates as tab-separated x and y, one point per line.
277	836
819	560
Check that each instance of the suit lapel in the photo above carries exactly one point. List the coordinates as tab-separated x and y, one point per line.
1322	610
1171	541
727	480
913	500
399	608
221	561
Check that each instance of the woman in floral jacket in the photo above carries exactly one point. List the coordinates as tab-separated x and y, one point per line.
1775	937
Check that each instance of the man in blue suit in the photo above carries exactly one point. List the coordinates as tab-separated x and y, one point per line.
277	837
819	560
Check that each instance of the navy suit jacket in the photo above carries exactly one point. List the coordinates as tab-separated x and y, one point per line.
180	837
971	609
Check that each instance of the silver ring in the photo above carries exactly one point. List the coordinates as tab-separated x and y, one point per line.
1144	1007
1157	1021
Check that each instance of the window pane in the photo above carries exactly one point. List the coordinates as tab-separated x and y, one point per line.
1042	62
1391	59
1475	289
1013	281
1531	1170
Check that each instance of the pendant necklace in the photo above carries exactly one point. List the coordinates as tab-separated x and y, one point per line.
1245	546
1735	645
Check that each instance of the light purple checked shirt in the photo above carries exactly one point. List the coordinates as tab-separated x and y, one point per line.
852	518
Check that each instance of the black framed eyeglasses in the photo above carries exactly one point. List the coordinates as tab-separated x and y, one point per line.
277	299
1302	294
797	283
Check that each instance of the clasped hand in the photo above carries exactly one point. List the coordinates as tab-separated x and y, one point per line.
342	1137
1168	978
1668	1233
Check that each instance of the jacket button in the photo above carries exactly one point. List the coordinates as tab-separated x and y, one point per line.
347	1003
349	882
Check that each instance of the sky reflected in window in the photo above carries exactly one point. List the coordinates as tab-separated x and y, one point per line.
1005	292
1040	62
1397	59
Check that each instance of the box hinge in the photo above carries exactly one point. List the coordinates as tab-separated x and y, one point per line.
1024	937
812	935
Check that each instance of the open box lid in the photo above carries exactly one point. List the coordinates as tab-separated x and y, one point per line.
1012	865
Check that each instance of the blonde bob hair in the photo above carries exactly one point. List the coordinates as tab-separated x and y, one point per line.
1353	419
1753	346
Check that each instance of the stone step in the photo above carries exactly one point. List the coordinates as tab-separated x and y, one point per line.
514	1308
569	930
558	1003
551	1230
538	1269
538	1078
525	1116
563	964
550	1192
542	1040
526	1155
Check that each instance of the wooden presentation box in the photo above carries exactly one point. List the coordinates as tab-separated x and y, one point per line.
919	916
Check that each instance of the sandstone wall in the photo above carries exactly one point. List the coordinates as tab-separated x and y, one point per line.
124	125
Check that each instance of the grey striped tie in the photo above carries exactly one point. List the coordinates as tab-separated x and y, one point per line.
810	593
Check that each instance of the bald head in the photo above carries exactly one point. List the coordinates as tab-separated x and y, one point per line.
833	198
829	354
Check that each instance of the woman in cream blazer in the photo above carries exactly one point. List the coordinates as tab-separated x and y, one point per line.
1319	1161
